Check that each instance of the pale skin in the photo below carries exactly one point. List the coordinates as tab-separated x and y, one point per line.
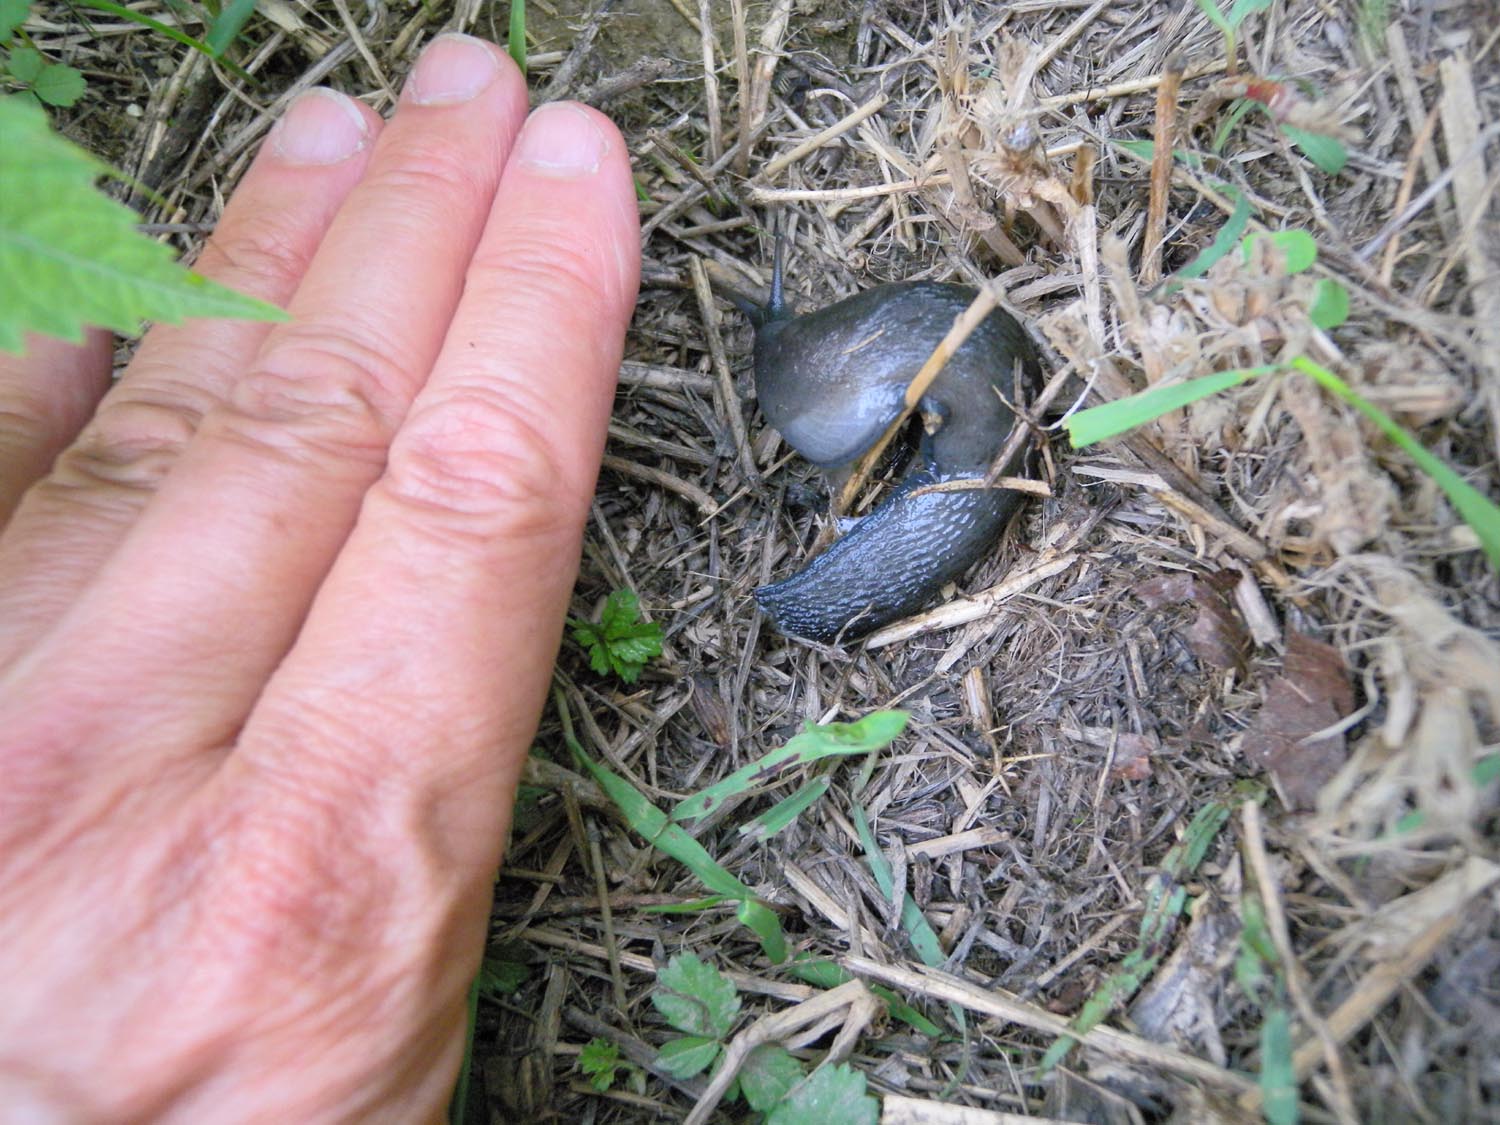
278	612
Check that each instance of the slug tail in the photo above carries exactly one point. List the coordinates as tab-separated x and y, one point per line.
892	564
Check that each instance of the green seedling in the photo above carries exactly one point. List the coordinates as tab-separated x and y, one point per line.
515	41
698	1000
620	641
601	1063
1262	977
1229	23
1166	900
72	256
1328	308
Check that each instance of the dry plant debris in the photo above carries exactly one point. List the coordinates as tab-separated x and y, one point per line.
1325	624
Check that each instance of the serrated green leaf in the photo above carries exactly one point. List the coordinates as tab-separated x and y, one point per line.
1330	304
71	256
1111	418
13	14
25	64
499	977
872	732
768	1075
619	642
832	1093
59	85
686	1057
599	1060
1328	153
695	997
1298	249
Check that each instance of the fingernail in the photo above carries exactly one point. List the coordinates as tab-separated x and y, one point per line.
452	69
561	139
320	127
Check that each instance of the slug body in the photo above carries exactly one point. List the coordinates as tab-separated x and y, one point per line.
831	382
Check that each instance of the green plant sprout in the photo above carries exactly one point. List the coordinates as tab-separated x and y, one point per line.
515	36
698	1000
1229	24
1166	900
620	641
1262	977
1328	308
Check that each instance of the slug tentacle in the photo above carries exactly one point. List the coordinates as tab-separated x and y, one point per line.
831	382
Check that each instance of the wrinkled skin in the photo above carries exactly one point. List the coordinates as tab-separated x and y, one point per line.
278	612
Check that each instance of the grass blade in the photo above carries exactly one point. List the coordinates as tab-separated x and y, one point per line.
515	37
874	731
1227	238
1475	509
228	24
1113	418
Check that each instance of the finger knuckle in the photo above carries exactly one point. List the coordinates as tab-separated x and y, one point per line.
324	392
434	174
135	439
480	461
261	251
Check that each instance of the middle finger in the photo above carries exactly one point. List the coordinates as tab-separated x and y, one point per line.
213	580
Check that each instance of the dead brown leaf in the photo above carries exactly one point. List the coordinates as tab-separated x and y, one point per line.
1312	693
1218	636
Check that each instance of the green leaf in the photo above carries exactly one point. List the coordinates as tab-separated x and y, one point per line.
761	920
695	998
1330	304
13	14
59	85
768	1075
784	813
1235	115
228	24
499	977
71	256
25	64
872	732
1328	153
1228	237
1242	8
599	1060
620	642
683	1058
832	1093
827	974
1477	510
164	29
696	906
515	41
1112	418
1215	17
918	930
1298	250
1278	1078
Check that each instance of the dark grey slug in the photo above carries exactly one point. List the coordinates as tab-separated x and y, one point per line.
831	382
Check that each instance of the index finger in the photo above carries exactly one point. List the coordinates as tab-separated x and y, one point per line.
422	668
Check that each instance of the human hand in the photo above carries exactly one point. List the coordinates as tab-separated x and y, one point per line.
276	629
